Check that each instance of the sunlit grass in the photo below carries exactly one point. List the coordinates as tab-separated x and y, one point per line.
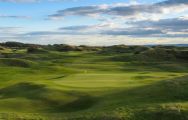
80	85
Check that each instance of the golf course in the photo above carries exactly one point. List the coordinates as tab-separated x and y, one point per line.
63	82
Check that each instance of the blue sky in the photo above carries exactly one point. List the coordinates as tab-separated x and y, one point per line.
94	22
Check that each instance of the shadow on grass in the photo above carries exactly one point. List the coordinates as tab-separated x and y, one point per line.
138	66
173	90
81	103
59	77
52	99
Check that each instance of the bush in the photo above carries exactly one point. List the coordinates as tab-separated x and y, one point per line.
13	44
35	49
63	47
158	54
182	55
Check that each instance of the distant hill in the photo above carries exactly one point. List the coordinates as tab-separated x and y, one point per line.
177	45
182	45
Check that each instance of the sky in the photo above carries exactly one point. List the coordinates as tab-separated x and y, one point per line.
94	22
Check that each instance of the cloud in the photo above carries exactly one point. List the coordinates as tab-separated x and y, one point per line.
172	2
101	26
81	11
117	24
15	16
81	27
77	30
171	27
102	34
135	32
10	31
173	24
124	10
100	40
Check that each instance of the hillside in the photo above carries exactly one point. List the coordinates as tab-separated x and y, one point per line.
64	82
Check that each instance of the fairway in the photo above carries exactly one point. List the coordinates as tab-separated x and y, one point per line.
93	59
88	85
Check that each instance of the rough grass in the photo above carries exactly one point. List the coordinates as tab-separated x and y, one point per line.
14	62
92	86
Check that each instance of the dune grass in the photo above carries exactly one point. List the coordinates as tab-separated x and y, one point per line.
91	86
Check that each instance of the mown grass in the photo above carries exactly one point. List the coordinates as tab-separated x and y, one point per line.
92	86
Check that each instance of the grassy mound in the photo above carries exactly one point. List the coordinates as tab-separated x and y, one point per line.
152	54
48	100
16	62
111	83
163	91
2	48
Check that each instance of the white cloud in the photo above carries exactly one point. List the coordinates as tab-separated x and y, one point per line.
130	11
121	23
15	16
99	40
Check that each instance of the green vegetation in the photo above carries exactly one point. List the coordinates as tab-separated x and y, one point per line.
62	82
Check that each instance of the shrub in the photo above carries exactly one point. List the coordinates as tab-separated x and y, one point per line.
182	55
158	54
13	44
35	49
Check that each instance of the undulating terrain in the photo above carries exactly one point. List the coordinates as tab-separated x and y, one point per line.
62	82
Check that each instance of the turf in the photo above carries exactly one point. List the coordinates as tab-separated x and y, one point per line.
87	85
